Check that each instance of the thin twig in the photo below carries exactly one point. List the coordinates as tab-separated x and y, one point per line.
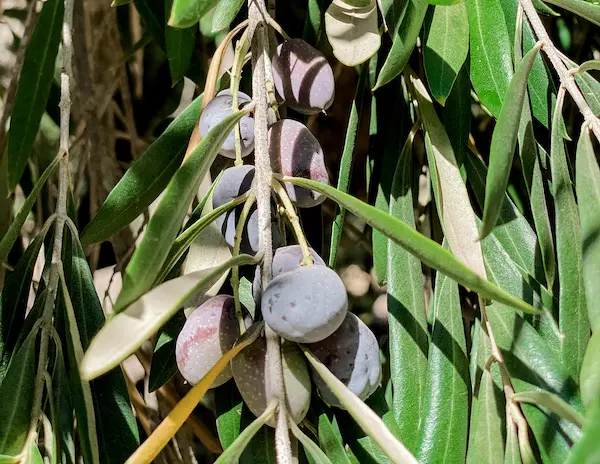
8	102
260	49
567	80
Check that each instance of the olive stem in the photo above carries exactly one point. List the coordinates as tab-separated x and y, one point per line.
257	15
290	211
241	48
235	270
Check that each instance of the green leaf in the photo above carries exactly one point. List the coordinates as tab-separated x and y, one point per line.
330	442
392	12
313	22
228	404
126	331
164	365
428	251
235	450
587	10
319	457
17	391
553	403
406	313
115	423
403	42
186	13
261	449
34	88
490	46
573	321
186	238
457	117
586	449
145	179
364	416
447	403
589	379
14	298
179	45
446	48
357	3
225	13
346	164
164	225
11	235
504	141
512	454
485	442
588	196
82	392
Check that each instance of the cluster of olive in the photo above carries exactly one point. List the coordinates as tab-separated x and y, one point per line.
303	303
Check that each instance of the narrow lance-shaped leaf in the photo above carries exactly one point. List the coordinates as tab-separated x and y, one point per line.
366	418
179	45
9	239
504	141
116	425
587	10
164	363
428	251
126	331
235	450
163	226
403	42
573	320
447	403
173	422
145	179
553	403
17	392
406	313
346	163
588	196
34	88
589	379
329	441
490	48
512	455
446	48
586	449
84	409
316	453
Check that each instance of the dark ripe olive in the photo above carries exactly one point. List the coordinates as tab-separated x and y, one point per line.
216	110
351	353
303	78
209	332
250	372
295	151
305	305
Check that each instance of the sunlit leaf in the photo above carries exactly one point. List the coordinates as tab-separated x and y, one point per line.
573	320
225	13
319	457
446	419
422	247
145	179
352	31
588	196
34	88
504	141
587	10
590	371
164	225
586	449
446	48
186	13
126	331
403	42
553	403
490	48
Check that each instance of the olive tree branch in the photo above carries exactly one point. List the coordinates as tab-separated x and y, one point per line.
257	32
567	80
61	209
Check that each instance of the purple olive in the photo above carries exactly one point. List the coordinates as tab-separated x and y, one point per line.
296	152
209	332
303	78
250	372
305	305
351	353
216	110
